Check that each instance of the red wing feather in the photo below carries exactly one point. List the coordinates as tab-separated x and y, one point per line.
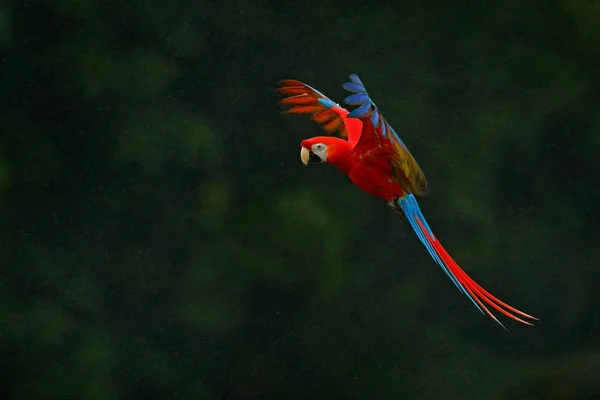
300	98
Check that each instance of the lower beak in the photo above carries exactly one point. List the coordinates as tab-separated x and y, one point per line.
305	156
309	157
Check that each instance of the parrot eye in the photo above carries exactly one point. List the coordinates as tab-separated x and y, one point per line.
320	152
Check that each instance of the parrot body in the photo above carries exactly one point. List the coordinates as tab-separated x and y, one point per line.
369	170
377	161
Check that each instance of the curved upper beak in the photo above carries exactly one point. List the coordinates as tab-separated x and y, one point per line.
305	156
309	157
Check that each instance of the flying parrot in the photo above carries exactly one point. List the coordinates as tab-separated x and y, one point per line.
376	160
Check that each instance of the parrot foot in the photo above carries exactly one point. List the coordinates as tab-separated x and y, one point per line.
395	206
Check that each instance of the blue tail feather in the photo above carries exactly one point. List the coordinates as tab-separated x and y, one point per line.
411	209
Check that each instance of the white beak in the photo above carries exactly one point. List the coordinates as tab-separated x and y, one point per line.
304	156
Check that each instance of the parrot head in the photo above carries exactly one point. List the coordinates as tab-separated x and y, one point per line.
325	149
313	151
322	149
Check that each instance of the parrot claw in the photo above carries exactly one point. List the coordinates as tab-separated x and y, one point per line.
395	205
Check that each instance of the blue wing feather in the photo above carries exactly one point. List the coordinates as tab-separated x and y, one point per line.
354	87
367	106
361	111
406	170
375	119
354	78
327	102
357	99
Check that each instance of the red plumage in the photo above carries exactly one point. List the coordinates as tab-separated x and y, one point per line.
378	162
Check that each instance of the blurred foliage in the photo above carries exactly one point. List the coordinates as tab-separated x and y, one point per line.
160	238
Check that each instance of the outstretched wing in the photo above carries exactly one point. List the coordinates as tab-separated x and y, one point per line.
405	169
300	98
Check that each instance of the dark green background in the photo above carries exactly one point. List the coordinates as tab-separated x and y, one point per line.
160	238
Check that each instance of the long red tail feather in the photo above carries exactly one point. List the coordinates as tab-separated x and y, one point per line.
479	294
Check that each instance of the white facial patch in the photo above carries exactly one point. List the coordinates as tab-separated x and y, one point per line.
321	150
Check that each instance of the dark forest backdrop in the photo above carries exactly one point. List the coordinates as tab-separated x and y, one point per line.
159	237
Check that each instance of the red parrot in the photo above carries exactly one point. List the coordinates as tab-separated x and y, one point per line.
375	159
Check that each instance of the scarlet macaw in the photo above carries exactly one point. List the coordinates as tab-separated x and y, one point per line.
370	152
